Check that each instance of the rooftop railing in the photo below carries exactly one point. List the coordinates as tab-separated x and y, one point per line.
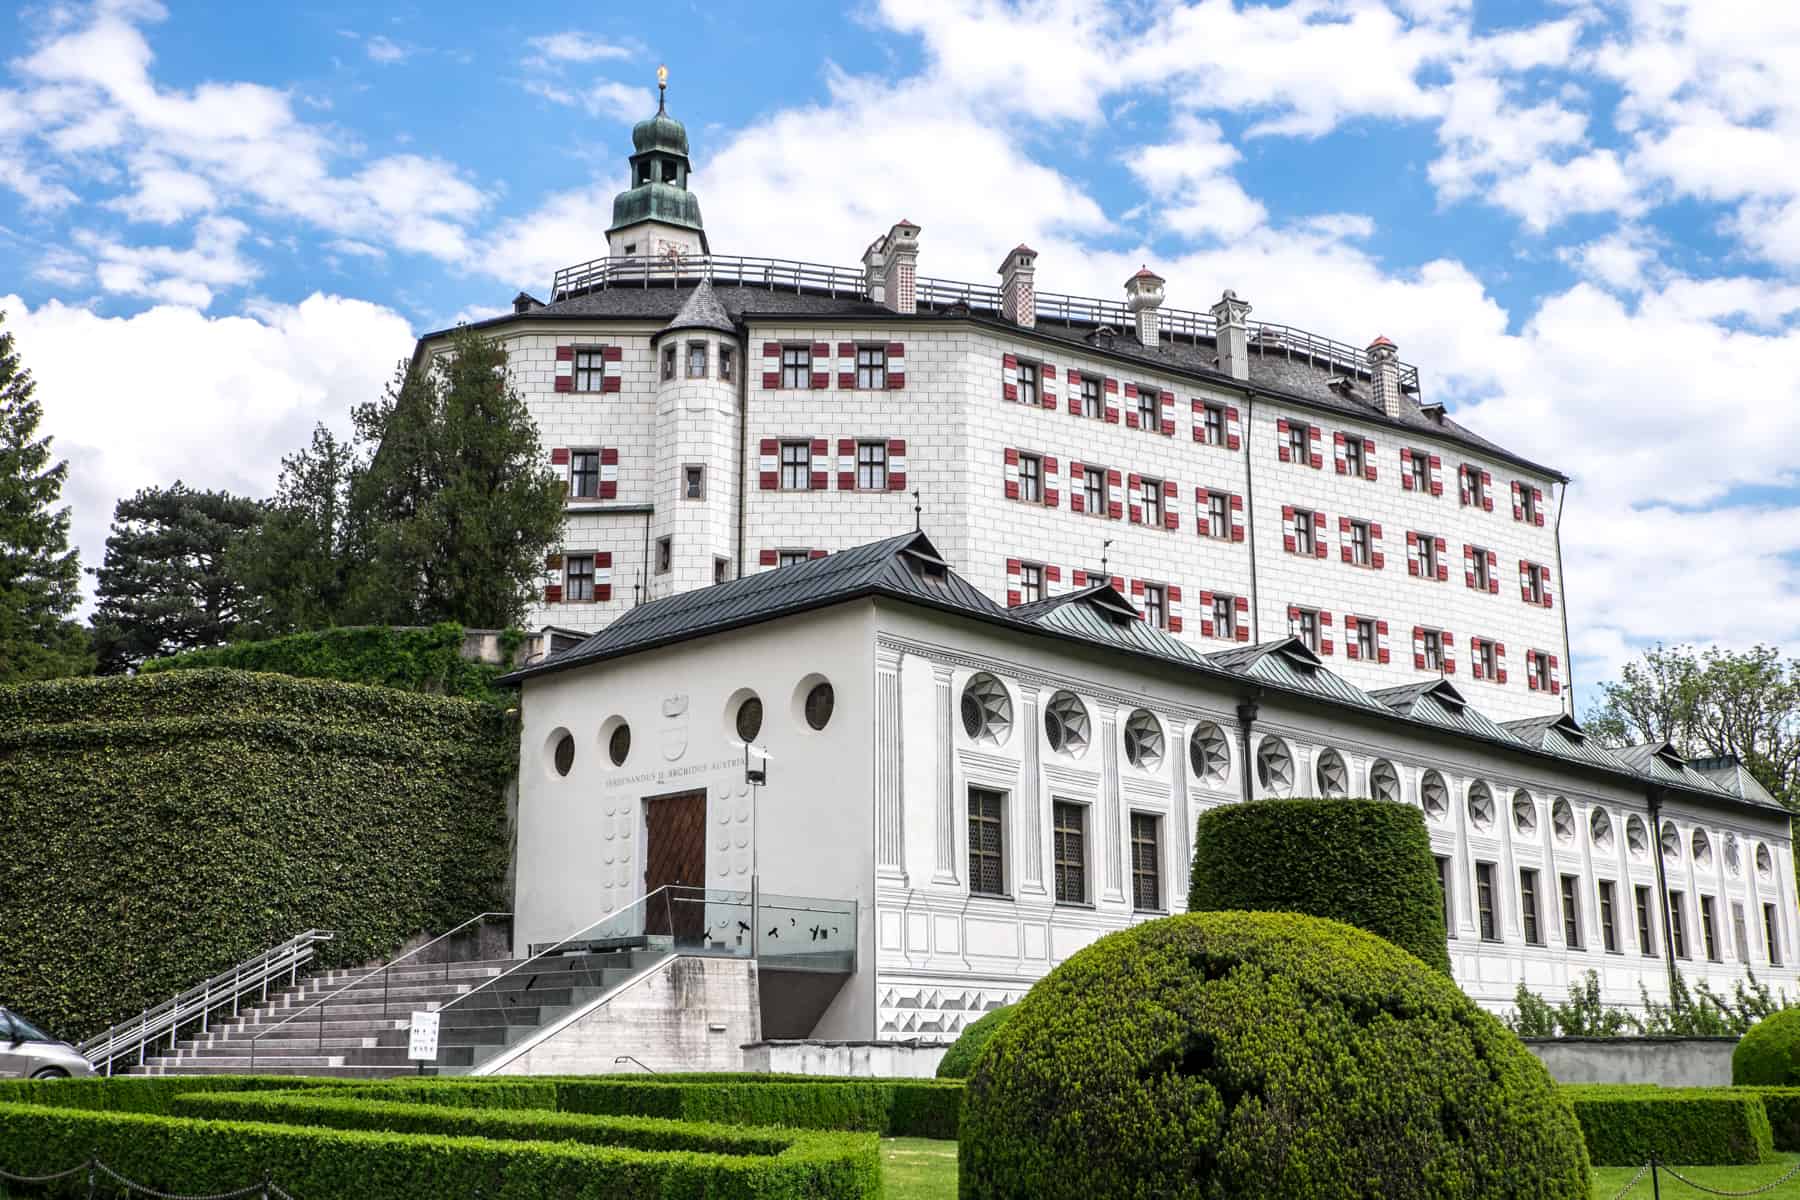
940	295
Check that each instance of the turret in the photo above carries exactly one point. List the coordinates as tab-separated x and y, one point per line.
657	215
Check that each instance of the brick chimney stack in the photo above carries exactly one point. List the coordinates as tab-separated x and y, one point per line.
872	270
1143	296
899	265
1384	375
1231	334
1018	295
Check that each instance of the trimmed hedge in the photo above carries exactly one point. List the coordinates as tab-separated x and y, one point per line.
1260	1054
959	1060
154	1094
1783	1106
168	826
1366	863
1768	1055
1624	1124
413	659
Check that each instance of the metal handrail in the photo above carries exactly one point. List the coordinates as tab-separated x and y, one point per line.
382	970
198	1002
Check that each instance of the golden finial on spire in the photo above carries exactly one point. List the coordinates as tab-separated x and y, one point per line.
662	85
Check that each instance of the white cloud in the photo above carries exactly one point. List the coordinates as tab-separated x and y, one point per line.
607	98
575	46
1190	178
385	50
174	276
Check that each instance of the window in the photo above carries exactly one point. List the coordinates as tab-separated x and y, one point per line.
1537	583
1709	936
871	367
1146	862
749	719
1031	582
796	366
1225	616
1302	533
987	871
1355	461
1299	442
693	482
1149	410
1483	578
1528	902
590	369
1646	928
564	755
1305	626
1093	489
696	360
1484	900
871	466
1425	553
1091	403
721	569
1771	935
1443	872
1156	605
821	701
1418	469
1677	926
668	362
1609	932
1571	911
788	558
796	466
1540	670
1473	487
1212	417
1528	503
1070	849
1433	642
665	554
1031	478
727	364
1487	660
1218	515
1363	637
618	744
578	577
1150	497
584	474
1361	546
1028	383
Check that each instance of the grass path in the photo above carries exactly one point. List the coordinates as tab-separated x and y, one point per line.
918	1169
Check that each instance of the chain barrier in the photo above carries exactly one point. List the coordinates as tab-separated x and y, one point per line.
265	1190
1756	1191
1642	1171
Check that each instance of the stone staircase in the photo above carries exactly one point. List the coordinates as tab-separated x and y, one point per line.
357	1034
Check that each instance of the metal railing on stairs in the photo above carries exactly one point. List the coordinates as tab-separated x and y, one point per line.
323	1002
200	1003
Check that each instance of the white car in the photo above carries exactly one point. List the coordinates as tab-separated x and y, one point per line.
27	1052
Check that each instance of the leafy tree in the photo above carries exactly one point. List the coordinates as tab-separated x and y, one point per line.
1742	703
299	566
163	586
455	508
40	575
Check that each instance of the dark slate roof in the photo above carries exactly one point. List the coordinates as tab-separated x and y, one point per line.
702	311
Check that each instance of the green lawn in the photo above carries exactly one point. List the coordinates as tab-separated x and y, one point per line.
918	1169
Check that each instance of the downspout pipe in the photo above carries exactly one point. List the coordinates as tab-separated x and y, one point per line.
1662	886
743	390
1247	711
1250	520
1562	582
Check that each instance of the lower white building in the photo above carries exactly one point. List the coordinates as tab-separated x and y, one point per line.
995	787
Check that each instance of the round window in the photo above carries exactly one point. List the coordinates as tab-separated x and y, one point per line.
1671	841
1334	776
618	746
1275	766
820	702
1066	723
1209	753
562	754
1600	829
1384	781
1481	806
1434	797
1524	813
987	712
1637	836
1702	849
1143	740
1562	820
749	719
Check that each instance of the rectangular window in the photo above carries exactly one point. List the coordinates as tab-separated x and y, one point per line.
1146	862
1425	552
1771	935
789	558
1070	849
1093	489
665	554
1213	424
590	369
1740	933
1092	405
1434	650
1218	515
1364	636
796	466
668	361
1156	605
1148	409
1300	442
1484	901
727	364
1709	934
1031	478
579	580
1028	383
1302	531
584	474
1225	616
1487	658
1528	903
696	360
871	367
1472	485
1353	455
1528	503
1361	544
1031	582
721	569
1418	466
693	482
1609	930
796	366
1304	624
871	466
1150	498
1540	670
1483	577
987	870
1443	872
1677	925
1646	923
1537	580
1571	911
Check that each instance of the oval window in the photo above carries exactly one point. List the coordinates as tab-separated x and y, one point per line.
1208	752
1333	776
563	756
1275	766
819	705
749	719
1143	740
986	709
618	746
1384	781
1066	723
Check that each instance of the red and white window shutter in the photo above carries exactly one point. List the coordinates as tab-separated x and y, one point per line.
1013	595
821	470
1167	409
559	456
1314	441
1449	642
1435	466
1077	497
1418	647
846	367
1234	428
1369	471
821	374
1009	377
609	474
1132	485
1171	509
1131	416
1052	493
565	369
1282	450
1288	542
1319	546
1353	648
1074	382
1046	377
771	357
1406	471
1337	453
896	366
896	464
603	575
1114	508
1242	605
768	464
1487	492
1110	388
1010	456
1536	662
846	462
1173	595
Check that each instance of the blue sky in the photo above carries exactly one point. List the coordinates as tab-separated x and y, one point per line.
221	223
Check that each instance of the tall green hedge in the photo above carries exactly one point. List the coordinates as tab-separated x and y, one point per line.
1366	863
156	830
416	660
1624	1124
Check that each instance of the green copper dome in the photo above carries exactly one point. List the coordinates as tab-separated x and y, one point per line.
657	202
659	176
661	132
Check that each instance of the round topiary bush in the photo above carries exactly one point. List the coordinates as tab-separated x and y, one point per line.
1769	1055
1364	862
959	1060
1226	1055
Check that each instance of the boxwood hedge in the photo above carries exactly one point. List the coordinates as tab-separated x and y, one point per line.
164	827
1768	1054
959	1060
1260	1054
1366	863
1624	1124
1783	1106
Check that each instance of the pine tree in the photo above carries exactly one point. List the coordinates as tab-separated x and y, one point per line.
40	575
299	567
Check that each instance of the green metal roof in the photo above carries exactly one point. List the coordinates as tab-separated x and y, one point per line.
656	201
1288	663
1439	703
1562	735
660	132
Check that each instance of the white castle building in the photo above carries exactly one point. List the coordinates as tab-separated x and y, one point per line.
1170	559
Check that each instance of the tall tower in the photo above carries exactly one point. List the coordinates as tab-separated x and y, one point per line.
698	359
657	215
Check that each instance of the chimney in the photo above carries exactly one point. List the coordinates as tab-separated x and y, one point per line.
1143	296
900	259
1018	296
872	274
1384	375
525	302
1231	334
